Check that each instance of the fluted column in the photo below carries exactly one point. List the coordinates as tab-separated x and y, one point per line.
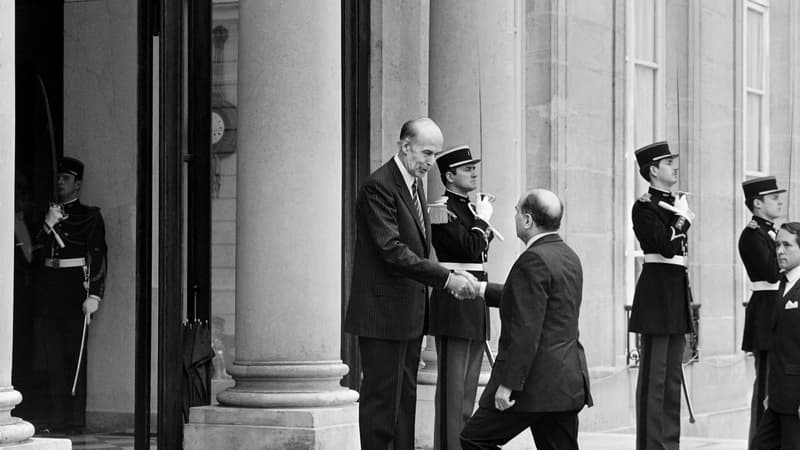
288	254
12	429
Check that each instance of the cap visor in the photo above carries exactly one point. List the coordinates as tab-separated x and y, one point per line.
464	163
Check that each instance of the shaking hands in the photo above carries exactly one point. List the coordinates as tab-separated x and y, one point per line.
463	285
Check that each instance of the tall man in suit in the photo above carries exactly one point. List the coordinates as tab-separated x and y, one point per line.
388	301
779	427
461	328
757	249
540	379
662	301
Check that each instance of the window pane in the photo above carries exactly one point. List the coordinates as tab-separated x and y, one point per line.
755	50
643	114
753	144
645	29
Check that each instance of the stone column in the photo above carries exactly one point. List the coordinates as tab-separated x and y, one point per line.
476	96
288	283
14	432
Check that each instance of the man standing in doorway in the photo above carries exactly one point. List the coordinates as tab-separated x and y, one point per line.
757	249
461	328
388	301
661	309
540	379
69	288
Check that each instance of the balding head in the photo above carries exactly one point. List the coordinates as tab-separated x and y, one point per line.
538	211
420	141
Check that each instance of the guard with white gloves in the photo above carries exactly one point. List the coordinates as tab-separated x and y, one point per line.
69	289
460	327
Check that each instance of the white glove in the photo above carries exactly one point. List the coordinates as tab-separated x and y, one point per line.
91	304
484	209
682	208
55	214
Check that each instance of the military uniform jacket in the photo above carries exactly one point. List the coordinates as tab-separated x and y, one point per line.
83	233
757	250
539	355
388	296
662	300
464	239
784	360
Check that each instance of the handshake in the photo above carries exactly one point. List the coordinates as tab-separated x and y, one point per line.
463	285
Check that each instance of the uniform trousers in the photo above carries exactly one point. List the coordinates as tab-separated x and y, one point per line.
489	428
458	370
777	432
759	391
388	397
61	343
658	392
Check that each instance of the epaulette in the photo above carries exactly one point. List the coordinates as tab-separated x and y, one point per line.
645	197
753	224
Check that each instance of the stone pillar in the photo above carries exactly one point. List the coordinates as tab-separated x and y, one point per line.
14	432
476	97
288	283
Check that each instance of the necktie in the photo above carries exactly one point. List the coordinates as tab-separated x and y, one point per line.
417	203
782	285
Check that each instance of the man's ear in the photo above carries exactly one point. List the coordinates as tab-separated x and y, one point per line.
653	169
758	203
449	176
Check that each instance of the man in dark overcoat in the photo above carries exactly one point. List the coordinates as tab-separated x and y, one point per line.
661	309
757	249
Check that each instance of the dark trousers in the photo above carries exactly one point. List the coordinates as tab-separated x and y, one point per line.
759	391
458	370
388	397
490	428
777	432
61	343
658	392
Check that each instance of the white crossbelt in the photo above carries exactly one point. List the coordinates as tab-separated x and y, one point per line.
763	286
658	258
57	263
473	267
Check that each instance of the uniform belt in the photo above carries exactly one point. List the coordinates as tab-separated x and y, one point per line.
57	263
658	258
764	286
474	267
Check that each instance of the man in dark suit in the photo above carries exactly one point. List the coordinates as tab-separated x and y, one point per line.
540	379
779	427
461	240
757	250
388	301
661	308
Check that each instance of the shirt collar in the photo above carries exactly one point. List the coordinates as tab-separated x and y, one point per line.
407	177
792	276
71	201
537	237
661	192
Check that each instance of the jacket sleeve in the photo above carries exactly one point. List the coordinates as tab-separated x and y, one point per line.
654	234
96	257
522	313
493	294
381	218
757	251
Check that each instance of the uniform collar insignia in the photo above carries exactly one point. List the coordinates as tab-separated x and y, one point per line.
456	196
645	197
753	224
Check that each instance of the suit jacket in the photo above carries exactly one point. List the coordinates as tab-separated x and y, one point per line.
757	250
540	357
662	300
463	239
388	298
784	360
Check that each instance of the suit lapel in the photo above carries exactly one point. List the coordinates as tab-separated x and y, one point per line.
406	196
780	304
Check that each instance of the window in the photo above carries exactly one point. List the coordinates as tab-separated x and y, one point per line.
755	125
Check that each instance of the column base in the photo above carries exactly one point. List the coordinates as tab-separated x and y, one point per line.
216	427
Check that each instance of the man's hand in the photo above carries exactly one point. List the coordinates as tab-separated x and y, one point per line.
90	306
484	208
460	286
55	214
502	398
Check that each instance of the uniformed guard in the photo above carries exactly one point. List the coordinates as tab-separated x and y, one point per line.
69	287
661	309
461	239
757	249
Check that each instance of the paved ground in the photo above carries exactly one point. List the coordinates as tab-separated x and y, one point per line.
588	441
